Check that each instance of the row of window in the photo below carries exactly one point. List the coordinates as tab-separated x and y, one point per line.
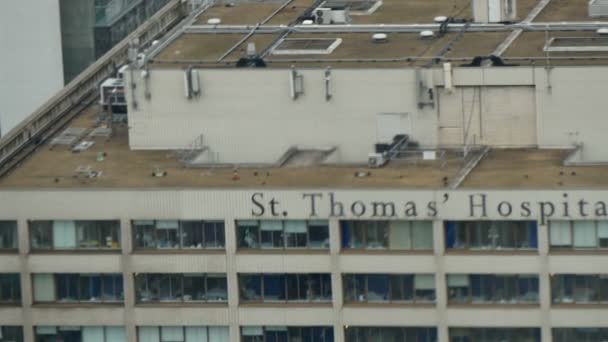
297	334
302	234
305	288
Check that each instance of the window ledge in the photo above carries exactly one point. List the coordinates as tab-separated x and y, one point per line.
283	251
389	305
491	252
77	305
579	305
180	251
286	305
574	251
181	304
75	251
352	251
494	305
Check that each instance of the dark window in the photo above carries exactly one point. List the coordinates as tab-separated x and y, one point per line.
387	235
290	287
80	334
494	334
492	289
11	334
389	288
491	235
580	334
180	287
390	334
174	234
10	288
8	235
284	334
288	234
78	288
579	288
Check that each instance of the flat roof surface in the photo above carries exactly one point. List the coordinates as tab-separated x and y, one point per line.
55	167
253	12
566	10
528	49
415	11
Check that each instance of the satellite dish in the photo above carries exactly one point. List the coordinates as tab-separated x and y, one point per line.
214	21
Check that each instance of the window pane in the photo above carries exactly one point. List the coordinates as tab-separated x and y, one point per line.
167	234
194	287
400	235
377	234
458	287
319	287
584	234
67	287
274	287
354	288
296	233
8	235
10	288
145	234
250	287
196	334
217	288
271	234
172	334
424	285
318	233
170	287
192	234
214	234
44	287
248	234
42	234
422	234
377	288
560	235
148	334
402	287
64	234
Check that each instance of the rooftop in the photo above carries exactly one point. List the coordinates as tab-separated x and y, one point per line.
222	45
125	168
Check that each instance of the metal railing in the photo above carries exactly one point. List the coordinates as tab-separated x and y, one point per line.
57	111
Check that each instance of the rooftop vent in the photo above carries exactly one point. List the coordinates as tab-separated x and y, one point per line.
308	22
440	19
598	8
427	34
602	31
356	7
494	11
214	21
379	38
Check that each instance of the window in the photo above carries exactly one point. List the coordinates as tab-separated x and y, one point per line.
182	334
306	46
494	334
77	288
390	334
283	333
287	234
492	289
580	334
174	234
181	288
387	235
11	334
579	289
281	288
389	288
80	334
75	235
8	235
10	288
583	235
491	235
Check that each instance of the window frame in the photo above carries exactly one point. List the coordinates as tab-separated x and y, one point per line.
561	280
469	226
415	299
113	224
15	289
78	281
571	230
181	226
494	284
284	237
151	278
352	226
287	277
13	231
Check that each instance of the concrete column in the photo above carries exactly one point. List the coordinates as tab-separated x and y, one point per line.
336	278
544	283
126	246
440	281
26	280
232	278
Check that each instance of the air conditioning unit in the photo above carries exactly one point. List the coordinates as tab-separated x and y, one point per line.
375	160
341	16
323	16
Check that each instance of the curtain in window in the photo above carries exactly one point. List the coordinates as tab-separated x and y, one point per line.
271	225
116	334
64	234
44	287
458	280
422	232
46	330
172	334
93	334
167	224
602	229
532	235
148	334
450	234
219	334
584	234
424	282
251	331
344	228
295	227
399	235
196	334
560	233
